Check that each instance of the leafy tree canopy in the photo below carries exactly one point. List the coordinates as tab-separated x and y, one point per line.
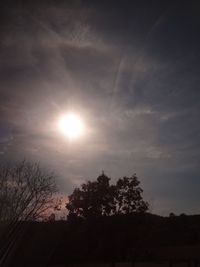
100	198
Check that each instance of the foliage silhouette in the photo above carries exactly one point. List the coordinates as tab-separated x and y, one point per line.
98	198
129	196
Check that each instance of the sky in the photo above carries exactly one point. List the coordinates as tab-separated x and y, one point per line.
130	69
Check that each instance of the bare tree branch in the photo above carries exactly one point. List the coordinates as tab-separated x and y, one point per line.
26	191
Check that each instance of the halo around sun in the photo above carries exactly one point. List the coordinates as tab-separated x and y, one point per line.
71	125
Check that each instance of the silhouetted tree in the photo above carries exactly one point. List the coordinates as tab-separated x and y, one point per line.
26	191
99	198
129	196
93	199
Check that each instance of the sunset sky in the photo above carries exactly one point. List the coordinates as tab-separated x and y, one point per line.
130	70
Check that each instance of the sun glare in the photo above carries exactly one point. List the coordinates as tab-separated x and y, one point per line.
71	125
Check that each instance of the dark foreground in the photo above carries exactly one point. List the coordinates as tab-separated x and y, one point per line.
131	240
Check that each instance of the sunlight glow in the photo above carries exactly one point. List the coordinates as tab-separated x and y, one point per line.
71	125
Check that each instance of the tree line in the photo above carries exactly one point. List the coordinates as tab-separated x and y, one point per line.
27	192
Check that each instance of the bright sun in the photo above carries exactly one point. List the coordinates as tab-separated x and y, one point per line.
71	125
